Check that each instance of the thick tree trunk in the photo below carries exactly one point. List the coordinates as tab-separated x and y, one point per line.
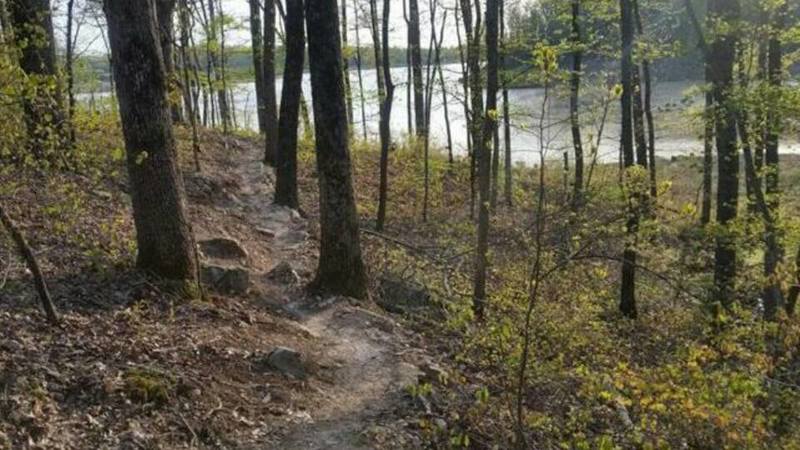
627	303
286	164
258	61
416	66
33	33
722	54
483	155
270	99
341	270
165	242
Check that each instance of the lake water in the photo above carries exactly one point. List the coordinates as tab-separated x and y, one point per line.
676	106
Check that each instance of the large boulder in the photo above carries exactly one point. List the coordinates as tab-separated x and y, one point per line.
284	273
401	296
223	248
226	279
284	360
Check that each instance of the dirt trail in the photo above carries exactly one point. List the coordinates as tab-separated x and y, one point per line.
364	358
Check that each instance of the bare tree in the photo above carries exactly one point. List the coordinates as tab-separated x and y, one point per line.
165	242
258	61
286	164
386	86
722	55
341	270
483	154
270	99
627	303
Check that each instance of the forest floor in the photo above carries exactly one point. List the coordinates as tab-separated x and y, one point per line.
134	366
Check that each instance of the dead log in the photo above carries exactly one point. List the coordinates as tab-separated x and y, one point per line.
30	259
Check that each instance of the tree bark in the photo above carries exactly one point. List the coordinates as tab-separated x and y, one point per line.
648	109
722	53
574	105
360	74
165	10
416	67
258	61
774	253
286	165
627	303
270	99
346	65
341	270
165	242
190	99
386	92
484	155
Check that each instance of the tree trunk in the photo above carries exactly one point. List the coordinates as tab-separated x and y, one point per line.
627	303
774	253
346	65
165	9
216	60
484	155
286	164
416	67
465	82
341	270
258	62
33	33
409	78
648	109
165	242
270	99
386	94
575	86
191	103
360	75
69	69
722	53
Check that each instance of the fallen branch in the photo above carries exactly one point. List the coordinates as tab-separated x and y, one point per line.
30	259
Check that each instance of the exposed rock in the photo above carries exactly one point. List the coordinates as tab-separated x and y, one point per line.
284	273
269	233
222	248
432	373
288	362
399	296
226	279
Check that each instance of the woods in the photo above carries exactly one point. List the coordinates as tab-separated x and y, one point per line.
422	224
